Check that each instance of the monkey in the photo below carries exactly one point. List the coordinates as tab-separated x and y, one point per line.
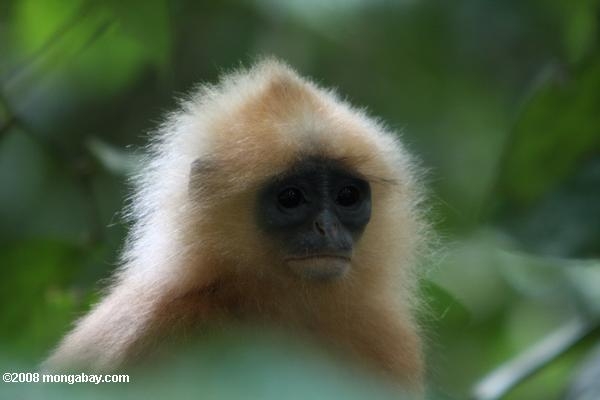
267	199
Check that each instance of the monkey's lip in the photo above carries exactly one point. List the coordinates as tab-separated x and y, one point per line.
338	257
319	267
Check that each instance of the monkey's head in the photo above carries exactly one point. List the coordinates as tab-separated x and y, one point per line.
288	179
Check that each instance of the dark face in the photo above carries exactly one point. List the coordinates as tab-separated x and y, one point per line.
316	212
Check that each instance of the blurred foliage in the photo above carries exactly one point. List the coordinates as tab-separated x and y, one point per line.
229	365
501	100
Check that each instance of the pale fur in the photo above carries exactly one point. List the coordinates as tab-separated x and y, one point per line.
194	228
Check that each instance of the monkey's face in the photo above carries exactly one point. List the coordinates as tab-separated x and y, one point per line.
315	212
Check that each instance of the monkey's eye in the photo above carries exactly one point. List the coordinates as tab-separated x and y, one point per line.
290	197
348	196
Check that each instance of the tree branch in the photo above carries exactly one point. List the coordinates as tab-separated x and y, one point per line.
497	383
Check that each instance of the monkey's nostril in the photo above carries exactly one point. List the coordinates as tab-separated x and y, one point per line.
319	227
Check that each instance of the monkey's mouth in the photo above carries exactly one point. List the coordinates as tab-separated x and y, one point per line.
321	267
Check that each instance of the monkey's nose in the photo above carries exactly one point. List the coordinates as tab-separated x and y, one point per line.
326	224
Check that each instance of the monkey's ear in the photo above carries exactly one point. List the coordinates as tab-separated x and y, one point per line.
199	171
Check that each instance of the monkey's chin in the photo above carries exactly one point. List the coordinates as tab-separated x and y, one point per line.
319	268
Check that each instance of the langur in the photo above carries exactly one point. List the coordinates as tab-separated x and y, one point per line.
266	199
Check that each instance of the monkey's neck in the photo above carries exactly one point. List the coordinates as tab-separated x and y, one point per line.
345	321
281	301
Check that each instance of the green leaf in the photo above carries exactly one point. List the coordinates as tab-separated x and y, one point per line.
584	276
37	308
558	128
148	24
112	158
91	46
40	198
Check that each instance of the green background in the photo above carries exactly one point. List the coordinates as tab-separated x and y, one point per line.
499	99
